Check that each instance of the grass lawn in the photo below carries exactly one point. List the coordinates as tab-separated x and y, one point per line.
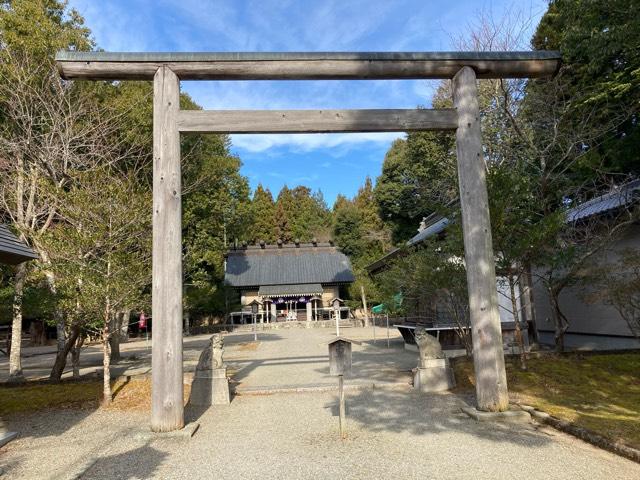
598	392
127	395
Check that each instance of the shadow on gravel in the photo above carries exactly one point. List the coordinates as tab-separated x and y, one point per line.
422	414
376	363
45	424
140	463
193	412
263	336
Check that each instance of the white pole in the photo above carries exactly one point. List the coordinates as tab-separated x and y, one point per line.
374	328
341	406
337	323
255	332
364	305
387	330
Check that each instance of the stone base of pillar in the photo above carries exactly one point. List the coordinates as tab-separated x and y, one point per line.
436	376
210	387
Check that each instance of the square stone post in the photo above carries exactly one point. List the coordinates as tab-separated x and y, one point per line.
488	354
309	311
166	363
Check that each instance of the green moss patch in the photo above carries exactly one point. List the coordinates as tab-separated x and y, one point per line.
598	392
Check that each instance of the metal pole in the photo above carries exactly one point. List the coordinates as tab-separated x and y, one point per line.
343	425
387	330
337	323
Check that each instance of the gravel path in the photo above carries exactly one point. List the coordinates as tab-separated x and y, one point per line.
392	434
299	357
266	364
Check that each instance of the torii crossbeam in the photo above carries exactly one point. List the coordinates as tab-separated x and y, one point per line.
167	69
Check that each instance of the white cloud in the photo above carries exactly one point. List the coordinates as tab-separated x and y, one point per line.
306	142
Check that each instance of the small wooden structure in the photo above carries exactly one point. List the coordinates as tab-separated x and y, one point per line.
169	121
340	356
340	360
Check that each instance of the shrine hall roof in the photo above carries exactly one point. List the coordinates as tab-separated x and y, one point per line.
287	264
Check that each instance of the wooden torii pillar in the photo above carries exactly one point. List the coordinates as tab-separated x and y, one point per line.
167	69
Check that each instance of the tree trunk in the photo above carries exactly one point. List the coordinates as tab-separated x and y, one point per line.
124	326
530	311
187	323
15	363
114	338
106	363
75	356
61	356
57	313
559	320
516	319
364	305
61	332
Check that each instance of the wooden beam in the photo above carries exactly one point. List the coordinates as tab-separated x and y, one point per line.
306	66
488	355
166	295
315	121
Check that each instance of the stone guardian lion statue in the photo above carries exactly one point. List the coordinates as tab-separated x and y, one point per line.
211	356
428	346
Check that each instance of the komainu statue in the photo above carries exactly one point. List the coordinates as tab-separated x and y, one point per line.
216	351
428	346
210	384
211	356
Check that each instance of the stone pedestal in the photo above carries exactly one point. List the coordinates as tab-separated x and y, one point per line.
508	416
6	437
435	376
210	387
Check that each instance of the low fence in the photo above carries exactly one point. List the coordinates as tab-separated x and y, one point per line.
248	327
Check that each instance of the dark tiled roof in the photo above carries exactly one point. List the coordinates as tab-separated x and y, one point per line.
12	250
290	290
621	196
434	224
432	229
288	265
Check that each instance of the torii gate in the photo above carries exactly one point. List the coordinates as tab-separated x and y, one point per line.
167	69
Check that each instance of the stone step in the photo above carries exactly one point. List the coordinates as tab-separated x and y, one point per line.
319	387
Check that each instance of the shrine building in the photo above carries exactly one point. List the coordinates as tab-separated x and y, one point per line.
288	282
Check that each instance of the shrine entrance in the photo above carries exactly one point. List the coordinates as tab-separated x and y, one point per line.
169	121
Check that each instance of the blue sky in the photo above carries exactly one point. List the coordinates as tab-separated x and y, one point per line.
333	163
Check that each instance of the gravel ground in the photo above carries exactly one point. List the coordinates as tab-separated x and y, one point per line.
391	434
299	357
37	361
267	365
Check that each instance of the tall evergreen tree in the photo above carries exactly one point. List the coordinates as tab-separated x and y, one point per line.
600	77
418	175
283	215
263	211
348	229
